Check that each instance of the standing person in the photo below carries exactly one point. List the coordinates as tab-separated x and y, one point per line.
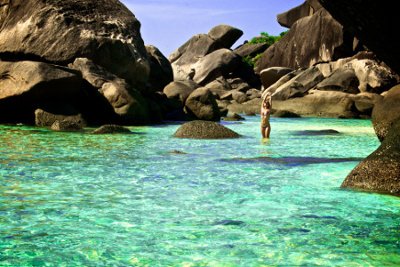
266	107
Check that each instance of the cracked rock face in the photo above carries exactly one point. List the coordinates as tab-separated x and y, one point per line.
58	31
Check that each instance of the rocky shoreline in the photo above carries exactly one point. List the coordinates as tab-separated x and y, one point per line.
69	64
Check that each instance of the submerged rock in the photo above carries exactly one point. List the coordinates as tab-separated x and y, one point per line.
111	129
204	130
66	126
318	132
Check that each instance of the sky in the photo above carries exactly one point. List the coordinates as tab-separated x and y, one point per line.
167	24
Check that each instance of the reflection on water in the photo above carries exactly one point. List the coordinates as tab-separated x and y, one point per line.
148	199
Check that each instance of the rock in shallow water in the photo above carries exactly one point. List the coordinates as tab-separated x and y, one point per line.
110	129
204	130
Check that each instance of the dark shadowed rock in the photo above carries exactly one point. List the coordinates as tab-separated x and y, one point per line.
250	50
204	130
317	132
105	31
344	80
161	73
27	85
302	47
386	112
201	104
128	104
111	129
44	118
229	222
365	102
372	22
380	171
290	161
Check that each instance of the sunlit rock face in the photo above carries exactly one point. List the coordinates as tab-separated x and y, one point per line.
310	40
58	31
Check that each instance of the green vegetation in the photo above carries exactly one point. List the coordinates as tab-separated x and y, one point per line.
264	38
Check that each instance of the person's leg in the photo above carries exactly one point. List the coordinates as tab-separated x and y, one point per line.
268	131
263	132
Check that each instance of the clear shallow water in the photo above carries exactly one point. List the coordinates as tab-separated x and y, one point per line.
72	199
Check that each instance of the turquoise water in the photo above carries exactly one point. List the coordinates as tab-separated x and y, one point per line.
75	199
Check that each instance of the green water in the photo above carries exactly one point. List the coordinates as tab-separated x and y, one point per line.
74	199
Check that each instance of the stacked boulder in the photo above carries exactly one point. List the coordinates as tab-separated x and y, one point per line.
209	76
71	57
325	71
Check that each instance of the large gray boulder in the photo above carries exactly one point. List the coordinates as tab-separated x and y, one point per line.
104	31
200	45
344	80
179	91
204	130
201	104
216	64
28	85
312	39
128	104
319	104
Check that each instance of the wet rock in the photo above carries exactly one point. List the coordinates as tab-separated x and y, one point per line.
46	119
66	126
380	171
111	129
205	130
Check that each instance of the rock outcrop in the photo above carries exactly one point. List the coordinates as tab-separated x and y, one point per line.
372	23
302	47
386	112
27	85
103	31
380	171
99	40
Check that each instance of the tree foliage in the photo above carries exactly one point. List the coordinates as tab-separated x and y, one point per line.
266	38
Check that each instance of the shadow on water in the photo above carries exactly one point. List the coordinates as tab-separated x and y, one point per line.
291	161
